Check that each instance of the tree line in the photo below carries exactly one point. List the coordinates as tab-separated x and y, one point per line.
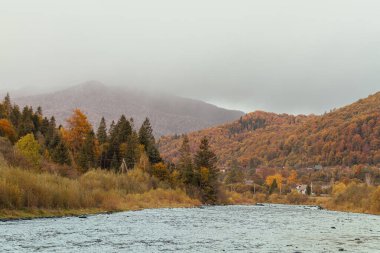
116	147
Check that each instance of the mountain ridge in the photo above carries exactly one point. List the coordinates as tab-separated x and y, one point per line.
168	114
345	136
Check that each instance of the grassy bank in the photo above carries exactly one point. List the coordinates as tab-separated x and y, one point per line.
353	197
26	193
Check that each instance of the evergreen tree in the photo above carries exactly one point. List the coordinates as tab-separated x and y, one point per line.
26	125
185	163
207	174
273	186
114	162
102	132
15	117
86	157
235	174
308	190
124	129
7	105
147	139
132	154
60	154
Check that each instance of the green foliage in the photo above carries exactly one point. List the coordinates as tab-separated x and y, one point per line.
185	163
207	173
30	149
273	186
60	154
235	175
147	139
102	132
133	152
86	157
308	190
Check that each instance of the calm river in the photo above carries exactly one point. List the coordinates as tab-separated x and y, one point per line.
269	228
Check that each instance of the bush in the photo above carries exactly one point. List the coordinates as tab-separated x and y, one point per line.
296	198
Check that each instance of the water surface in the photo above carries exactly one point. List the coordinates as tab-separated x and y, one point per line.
269	228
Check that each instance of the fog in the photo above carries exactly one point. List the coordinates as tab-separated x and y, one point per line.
291	56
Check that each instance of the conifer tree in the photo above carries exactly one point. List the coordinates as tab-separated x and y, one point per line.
114	162
87	157
60	154
124	129
147	139
7	105
273	186
207	174
102	132
132	154
185	163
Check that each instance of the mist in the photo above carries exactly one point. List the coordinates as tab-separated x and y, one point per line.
283	56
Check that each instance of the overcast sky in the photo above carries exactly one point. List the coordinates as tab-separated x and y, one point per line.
293	56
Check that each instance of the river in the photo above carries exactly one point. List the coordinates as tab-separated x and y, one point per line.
268	228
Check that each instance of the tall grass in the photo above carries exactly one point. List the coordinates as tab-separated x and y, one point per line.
22	189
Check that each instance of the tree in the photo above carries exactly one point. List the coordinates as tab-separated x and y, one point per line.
26	125
102	132
185	163
60	154
7	129
87	154
235	174
270	179
30	149
114	162
205	164
292	179
7	106
80	139
273	186
133	153
124	129
308	189
78	130
147	139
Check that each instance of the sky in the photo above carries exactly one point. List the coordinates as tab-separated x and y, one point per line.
293	56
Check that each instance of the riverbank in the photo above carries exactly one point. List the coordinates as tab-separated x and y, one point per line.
13	215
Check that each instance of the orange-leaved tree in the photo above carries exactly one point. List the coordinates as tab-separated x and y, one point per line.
7	129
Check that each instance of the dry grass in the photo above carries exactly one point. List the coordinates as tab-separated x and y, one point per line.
27	193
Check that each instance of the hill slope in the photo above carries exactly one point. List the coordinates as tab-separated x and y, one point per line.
347	136
168	114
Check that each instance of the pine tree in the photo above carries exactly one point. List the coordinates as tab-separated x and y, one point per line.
185	163
273	186
114	162
102	132
132	154
60	154
26	125
7	105
147	139
308	190
124	129
206	172
86	157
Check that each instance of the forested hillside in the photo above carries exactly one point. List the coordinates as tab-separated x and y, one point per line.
345	136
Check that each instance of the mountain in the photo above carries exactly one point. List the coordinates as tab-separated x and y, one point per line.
168	114
346	136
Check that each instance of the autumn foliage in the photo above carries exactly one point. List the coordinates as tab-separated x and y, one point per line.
346	136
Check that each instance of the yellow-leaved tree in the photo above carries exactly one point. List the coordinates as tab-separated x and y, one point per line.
29	147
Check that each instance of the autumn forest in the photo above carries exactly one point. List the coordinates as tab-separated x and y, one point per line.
48	169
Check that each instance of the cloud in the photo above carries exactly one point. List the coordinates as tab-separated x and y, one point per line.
283	56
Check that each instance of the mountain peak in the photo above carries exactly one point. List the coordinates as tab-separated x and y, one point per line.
93	84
